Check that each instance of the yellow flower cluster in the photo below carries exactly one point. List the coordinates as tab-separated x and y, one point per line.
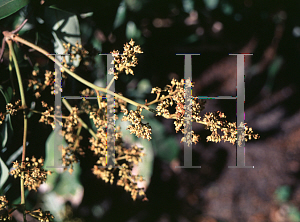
129	182
10	109
69	131
47	117
215	121
4	215
127	60
76	52
176	96
34	174
138	128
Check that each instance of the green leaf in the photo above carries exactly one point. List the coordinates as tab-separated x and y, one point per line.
188	5
165	146
145	168
65	29
283	193
211	4
144	86
168	149
6	128
8	7
294	213
132	31
59	185
53	155
4	172
121	15
7	93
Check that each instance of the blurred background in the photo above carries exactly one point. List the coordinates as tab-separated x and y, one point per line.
270	30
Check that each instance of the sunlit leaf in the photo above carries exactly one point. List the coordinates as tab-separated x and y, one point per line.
4	173
65	29
8	7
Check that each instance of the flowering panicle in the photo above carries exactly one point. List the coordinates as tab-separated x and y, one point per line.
34	174
76	52
131	156
129	181
47	116
138	128
10	109
127	60
176	96
4	215
71	132
37	85
215	121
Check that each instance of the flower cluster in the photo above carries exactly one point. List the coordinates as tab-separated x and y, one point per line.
34	174
134	155
176	95
47	116
4	215
37	86
138	128
10	109
129	182
40	215
211	121
71	132
131	156
127	60
76	52
215	121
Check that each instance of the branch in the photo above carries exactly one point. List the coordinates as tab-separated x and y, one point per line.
74	75
11	49
80	120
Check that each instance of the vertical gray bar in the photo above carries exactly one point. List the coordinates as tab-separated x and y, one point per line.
110	115
58	140
188	112
240	112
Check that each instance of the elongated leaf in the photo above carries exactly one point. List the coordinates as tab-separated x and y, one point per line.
121	15
65	29
4	173
6	127
8	7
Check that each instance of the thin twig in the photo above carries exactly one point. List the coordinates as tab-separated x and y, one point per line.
111	82
98	99
2	49
74	75
20	27
80	120
11	49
